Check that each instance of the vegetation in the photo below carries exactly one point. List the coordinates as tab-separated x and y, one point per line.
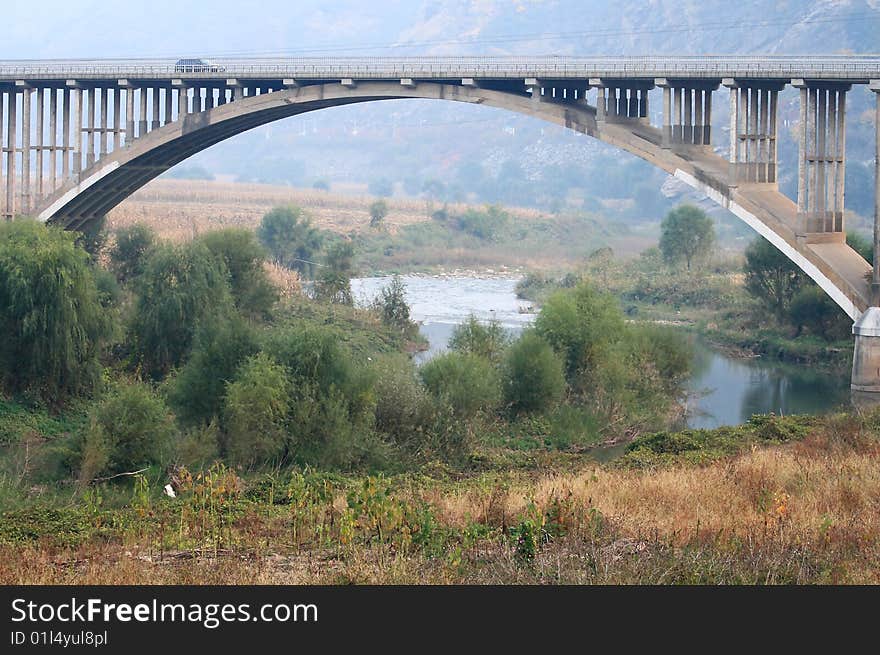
53	320
296	428
290	238
378	212
686	234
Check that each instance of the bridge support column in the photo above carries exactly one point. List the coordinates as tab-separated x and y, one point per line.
26	97
687	111
90	126
11	145
621	100
142	112
821	160
38	153
53	138
753	144
76	119
866	355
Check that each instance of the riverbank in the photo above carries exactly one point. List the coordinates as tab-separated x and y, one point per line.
782	501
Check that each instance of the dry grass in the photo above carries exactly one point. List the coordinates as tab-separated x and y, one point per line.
804	512
181	209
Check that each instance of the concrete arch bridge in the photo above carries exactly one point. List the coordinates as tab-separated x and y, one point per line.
78	137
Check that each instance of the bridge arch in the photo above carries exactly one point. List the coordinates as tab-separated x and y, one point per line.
835	267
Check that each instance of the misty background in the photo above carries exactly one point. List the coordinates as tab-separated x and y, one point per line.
452	152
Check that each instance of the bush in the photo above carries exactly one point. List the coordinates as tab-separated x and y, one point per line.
393	308
255	412
220	346
580	324
130	250
532	375
469	384
487	341
378	212
53	321
312	356
242	257
129	430
811	308
290	238
181	287
486	225
403	410
334	282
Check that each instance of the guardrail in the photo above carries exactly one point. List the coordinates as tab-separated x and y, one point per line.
861	67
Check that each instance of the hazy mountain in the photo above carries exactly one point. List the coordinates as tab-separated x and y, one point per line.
413	141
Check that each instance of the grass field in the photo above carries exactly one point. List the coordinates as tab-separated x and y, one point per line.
779	501
180	209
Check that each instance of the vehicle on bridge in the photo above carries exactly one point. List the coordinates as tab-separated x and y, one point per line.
197	66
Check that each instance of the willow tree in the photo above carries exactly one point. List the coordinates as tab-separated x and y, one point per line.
53	322
180	288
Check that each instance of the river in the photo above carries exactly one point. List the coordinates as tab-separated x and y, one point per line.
723	390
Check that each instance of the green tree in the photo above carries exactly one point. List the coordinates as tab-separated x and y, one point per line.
334	281
378	212
686	233
243	257
580	323
53	321
771	277
221	345
488	341
862	245
129	430
532	374
130	250
467	383
811	308
255	412
486	224
181	286
289	237
392	306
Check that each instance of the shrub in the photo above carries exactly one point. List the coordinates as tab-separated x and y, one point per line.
312	356
487	341
129	430
811	308
533	378
181	287
130	250
378	212
485	225
403	409
392	306
469	384
290	238
242	257
334	282
51	314
220	346
255	412
580	324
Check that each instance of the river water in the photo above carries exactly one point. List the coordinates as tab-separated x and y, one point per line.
723	390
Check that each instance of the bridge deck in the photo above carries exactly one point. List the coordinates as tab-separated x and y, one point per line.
855	69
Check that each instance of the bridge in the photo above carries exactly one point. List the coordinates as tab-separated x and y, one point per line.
78	137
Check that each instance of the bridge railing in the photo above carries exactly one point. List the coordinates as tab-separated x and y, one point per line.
860	67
